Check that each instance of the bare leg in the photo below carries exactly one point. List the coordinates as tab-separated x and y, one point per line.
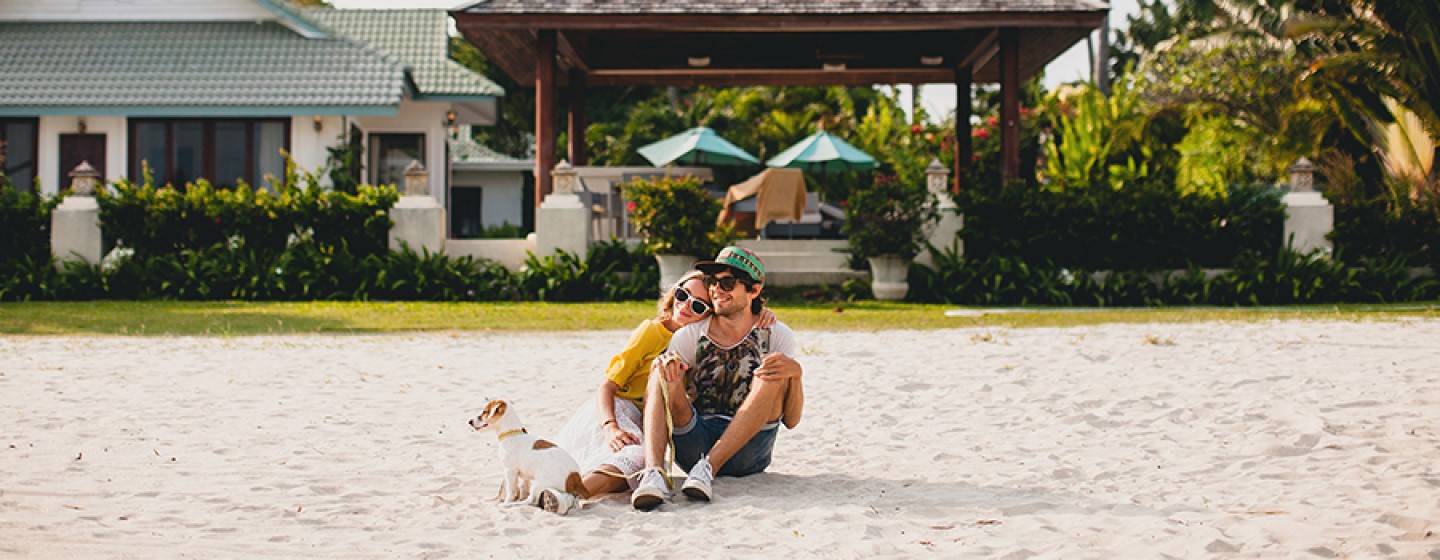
599	483
764	404
656	432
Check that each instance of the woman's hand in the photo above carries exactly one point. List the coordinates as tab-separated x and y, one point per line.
619	438
668	365
765	319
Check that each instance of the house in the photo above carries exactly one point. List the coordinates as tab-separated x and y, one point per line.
216	89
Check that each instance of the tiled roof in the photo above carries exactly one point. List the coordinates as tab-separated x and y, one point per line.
417	37
778	7
464	149
173	66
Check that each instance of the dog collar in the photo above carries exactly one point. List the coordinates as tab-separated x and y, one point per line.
512	433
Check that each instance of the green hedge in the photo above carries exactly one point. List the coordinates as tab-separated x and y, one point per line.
1284	277
158	221
1374	229
1147	225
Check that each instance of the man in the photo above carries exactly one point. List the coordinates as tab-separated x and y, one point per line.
725	385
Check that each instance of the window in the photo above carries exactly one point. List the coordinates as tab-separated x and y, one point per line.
390	153
224	151
465	206
17	151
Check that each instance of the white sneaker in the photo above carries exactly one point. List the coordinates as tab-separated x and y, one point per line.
697	483
557	502
654	487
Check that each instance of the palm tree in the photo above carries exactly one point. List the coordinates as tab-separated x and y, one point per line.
1363	51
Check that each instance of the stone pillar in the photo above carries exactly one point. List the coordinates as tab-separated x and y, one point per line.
1308	216
563	220
945	233
75	223
419	218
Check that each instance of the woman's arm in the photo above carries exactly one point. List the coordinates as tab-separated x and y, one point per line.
605	414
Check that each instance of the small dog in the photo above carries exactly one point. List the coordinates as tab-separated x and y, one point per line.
542	469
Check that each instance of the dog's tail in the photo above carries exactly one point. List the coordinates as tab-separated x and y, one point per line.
574	485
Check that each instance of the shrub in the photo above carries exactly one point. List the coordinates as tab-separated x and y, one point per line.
1146	225
888	217
676	216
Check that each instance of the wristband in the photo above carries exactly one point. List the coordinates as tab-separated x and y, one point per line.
610	421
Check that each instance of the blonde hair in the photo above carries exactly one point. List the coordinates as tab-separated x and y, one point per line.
666	306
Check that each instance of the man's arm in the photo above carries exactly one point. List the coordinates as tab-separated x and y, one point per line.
779	367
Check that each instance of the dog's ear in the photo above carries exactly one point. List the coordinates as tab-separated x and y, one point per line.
494	409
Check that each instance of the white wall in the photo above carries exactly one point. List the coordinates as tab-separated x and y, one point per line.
416	118
133	10
52	178
502	197
308	146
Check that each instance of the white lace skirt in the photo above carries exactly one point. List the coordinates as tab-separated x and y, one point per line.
586	441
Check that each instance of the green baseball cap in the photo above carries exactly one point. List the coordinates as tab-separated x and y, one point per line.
738	258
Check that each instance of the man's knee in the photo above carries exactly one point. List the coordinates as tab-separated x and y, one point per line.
767	395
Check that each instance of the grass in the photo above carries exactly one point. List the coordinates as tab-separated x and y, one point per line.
169	318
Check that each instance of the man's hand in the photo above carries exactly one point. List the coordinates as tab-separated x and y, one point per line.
777	367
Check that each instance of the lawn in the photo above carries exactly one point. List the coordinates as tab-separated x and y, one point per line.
169	318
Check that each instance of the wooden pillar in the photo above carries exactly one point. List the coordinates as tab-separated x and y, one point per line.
544	113
964	142
1010	103
576	131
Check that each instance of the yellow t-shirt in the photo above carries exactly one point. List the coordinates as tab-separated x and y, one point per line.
630	369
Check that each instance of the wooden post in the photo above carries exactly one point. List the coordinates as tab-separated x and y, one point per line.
544	113
576	131
964	143
1010	103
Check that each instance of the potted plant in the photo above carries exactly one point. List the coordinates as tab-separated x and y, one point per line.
886	222
678	218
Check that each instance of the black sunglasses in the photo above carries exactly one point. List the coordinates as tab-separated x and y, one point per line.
726	283
699	307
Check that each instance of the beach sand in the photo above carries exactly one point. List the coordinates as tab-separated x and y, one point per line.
1274	440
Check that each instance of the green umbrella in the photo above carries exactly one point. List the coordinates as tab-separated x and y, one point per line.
697	146
823	153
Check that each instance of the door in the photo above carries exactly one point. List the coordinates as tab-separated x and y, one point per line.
75	148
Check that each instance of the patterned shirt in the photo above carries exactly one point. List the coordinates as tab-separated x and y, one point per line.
719	376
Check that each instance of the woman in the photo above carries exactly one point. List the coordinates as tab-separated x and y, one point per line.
604	435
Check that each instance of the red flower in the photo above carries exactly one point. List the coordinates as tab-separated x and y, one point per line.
980	133
992	121
915	129
975	157
629	207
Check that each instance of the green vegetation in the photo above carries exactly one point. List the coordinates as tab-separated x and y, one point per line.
128	318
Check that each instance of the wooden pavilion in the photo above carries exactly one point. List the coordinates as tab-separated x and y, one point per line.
577	44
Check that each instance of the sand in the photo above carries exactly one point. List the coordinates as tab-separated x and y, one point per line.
1274	440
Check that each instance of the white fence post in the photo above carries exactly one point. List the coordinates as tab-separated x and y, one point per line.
75	223
943	234
563	220
419	218
1308	216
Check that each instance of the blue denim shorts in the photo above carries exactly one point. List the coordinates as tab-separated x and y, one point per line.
697	437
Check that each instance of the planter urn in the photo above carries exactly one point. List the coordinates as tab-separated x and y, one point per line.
672	267
889	277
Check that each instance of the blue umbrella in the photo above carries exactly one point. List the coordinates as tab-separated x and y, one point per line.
697	146
823	153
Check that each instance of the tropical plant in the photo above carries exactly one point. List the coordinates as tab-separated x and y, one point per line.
1362	51
1096	138
676	216
889	217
